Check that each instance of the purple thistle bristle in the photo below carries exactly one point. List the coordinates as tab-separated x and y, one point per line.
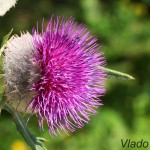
71	81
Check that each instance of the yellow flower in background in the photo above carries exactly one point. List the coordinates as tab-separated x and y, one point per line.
19	145
140	9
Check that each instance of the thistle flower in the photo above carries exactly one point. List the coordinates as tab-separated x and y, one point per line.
60	69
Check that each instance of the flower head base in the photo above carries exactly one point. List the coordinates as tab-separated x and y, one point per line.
71	81
20	72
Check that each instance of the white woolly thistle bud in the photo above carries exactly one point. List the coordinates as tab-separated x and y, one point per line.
20	71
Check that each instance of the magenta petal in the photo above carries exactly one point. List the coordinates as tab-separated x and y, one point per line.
71	82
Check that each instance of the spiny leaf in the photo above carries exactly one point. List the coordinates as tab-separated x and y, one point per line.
36	143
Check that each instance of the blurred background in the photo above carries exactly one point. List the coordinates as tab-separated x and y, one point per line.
123	29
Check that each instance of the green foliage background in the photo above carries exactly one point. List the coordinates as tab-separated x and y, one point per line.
123	29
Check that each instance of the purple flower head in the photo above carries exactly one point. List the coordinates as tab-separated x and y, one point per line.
56	74
71	81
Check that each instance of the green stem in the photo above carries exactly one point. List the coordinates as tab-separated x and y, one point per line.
34	142
116	74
